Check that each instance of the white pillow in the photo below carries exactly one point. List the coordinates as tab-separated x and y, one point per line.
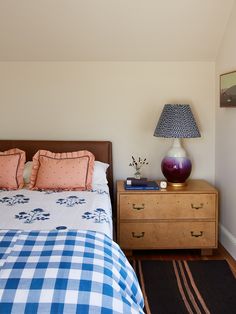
99	173
27	171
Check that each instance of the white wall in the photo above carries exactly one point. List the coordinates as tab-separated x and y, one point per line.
116	101
225	142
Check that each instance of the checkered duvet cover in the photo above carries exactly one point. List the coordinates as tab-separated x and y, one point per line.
65	272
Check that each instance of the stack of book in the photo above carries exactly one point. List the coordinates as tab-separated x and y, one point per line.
140	184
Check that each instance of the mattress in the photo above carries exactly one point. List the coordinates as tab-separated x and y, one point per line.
57	255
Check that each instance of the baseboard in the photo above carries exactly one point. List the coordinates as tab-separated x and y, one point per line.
228	241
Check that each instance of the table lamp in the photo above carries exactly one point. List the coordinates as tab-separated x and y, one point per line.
176	121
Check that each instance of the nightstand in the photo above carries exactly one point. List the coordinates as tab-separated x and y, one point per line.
175	218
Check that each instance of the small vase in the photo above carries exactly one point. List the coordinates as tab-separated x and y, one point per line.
137	174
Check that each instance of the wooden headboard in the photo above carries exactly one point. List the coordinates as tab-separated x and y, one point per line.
102	150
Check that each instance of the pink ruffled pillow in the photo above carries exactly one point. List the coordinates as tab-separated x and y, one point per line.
62	171
11	169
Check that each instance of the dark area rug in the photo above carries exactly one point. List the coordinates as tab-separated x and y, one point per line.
179	287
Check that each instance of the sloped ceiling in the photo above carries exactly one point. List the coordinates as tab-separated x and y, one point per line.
112	30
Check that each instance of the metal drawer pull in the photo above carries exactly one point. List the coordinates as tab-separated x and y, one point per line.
134	206
196	235
138	235
197	207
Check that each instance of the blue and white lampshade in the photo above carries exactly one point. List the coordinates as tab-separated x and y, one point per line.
176	121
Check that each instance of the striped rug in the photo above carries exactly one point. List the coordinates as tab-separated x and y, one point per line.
179	287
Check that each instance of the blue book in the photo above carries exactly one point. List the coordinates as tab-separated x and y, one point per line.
150	185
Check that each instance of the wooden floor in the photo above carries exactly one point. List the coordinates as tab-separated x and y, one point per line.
219	253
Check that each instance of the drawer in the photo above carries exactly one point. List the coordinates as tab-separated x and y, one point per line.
167	235
167	206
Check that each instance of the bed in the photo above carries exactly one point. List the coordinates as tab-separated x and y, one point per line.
56	249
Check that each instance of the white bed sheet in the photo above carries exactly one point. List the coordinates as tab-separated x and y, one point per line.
47	210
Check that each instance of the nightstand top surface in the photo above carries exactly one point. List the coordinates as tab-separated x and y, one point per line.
196	186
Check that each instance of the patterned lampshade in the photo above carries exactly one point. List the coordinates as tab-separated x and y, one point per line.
177	121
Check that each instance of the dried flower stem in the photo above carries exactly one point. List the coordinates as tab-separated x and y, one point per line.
137	164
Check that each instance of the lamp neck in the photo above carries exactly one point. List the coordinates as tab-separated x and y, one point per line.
176	150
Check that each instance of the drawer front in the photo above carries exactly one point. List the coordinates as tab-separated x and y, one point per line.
167	206
167	235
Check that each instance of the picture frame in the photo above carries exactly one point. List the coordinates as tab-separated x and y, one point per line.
228	89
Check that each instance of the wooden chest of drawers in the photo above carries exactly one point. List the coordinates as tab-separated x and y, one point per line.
175	218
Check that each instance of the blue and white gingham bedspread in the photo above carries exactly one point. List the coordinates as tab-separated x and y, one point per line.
65	272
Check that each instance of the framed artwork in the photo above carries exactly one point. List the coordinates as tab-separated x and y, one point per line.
228	89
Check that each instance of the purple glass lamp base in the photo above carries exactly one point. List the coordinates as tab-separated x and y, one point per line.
176	170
